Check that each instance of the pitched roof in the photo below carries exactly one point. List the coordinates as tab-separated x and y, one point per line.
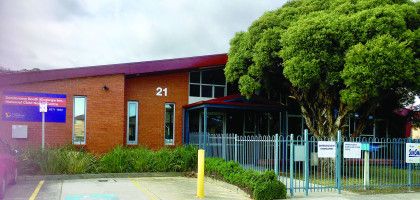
135	68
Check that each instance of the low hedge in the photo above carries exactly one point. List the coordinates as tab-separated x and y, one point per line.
126	160
69	160
260	185
63	160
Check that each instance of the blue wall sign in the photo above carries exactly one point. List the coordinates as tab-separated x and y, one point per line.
24	107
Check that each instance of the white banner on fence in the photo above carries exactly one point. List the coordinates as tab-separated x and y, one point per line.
326	149
352	150
412	153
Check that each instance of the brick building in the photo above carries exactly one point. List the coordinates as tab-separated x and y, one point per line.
102	101
152	104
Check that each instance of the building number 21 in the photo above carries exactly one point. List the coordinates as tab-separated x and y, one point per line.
161	91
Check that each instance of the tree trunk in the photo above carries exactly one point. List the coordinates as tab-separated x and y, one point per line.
325	115
319	115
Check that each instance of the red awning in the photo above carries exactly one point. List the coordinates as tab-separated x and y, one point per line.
238	100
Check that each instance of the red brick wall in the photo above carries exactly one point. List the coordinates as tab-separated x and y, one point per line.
105	116
152	107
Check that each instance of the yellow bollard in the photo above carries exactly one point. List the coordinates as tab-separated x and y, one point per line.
200	174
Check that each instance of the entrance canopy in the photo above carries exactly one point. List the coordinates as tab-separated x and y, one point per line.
237	101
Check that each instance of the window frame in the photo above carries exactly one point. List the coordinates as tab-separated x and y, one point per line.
173	124
73	128
135	142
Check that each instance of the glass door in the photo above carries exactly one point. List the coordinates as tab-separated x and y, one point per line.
216	122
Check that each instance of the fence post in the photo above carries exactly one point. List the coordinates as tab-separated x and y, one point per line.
236	148
205	130
199	139
409	171
366	170
338	163
306	162
292	153
276	154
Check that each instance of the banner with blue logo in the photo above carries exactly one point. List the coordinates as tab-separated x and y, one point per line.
412	154
24	107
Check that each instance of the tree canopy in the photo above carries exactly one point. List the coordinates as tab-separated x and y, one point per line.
333	56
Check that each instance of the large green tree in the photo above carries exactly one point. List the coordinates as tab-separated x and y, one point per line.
334	57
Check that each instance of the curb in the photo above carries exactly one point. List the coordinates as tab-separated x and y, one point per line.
96	176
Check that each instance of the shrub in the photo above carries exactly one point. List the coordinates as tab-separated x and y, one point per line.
142	160
118	160
269	190
64	160
128	160
184	159
68	160
260	185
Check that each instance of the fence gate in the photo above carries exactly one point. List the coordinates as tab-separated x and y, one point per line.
309	164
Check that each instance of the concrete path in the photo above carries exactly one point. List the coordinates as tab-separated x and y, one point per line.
157	188
144	188
351	196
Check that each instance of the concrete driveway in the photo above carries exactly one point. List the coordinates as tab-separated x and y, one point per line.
144	188
155	188
351	196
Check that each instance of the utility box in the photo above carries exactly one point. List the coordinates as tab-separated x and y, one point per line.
314	159
19	131
299	152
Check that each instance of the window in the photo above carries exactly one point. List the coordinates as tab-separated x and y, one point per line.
195	77
79	120
208	83
249	125
195	90
206	91
132	122
169	123
296	124
219	91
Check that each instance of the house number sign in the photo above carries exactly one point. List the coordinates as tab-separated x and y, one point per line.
161	91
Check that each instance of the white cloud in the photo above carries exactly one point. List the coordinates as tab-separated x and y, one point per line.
66	33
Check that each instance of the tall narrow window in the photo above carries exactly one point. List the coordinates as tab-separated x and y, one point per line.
79	120
132	122
169	123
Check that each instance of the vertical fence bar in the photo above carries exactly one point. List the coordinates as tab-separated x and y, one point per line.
276	154
306	146
236	148
224	146
200	142
410	173
205	130
338	162
314	165
292	152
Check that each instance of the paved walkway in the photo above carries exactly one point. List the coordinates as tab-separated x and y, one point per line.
347	195
144	188
157	188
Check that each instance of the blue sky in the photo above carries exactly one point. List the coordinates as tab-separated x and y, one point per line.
66	33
